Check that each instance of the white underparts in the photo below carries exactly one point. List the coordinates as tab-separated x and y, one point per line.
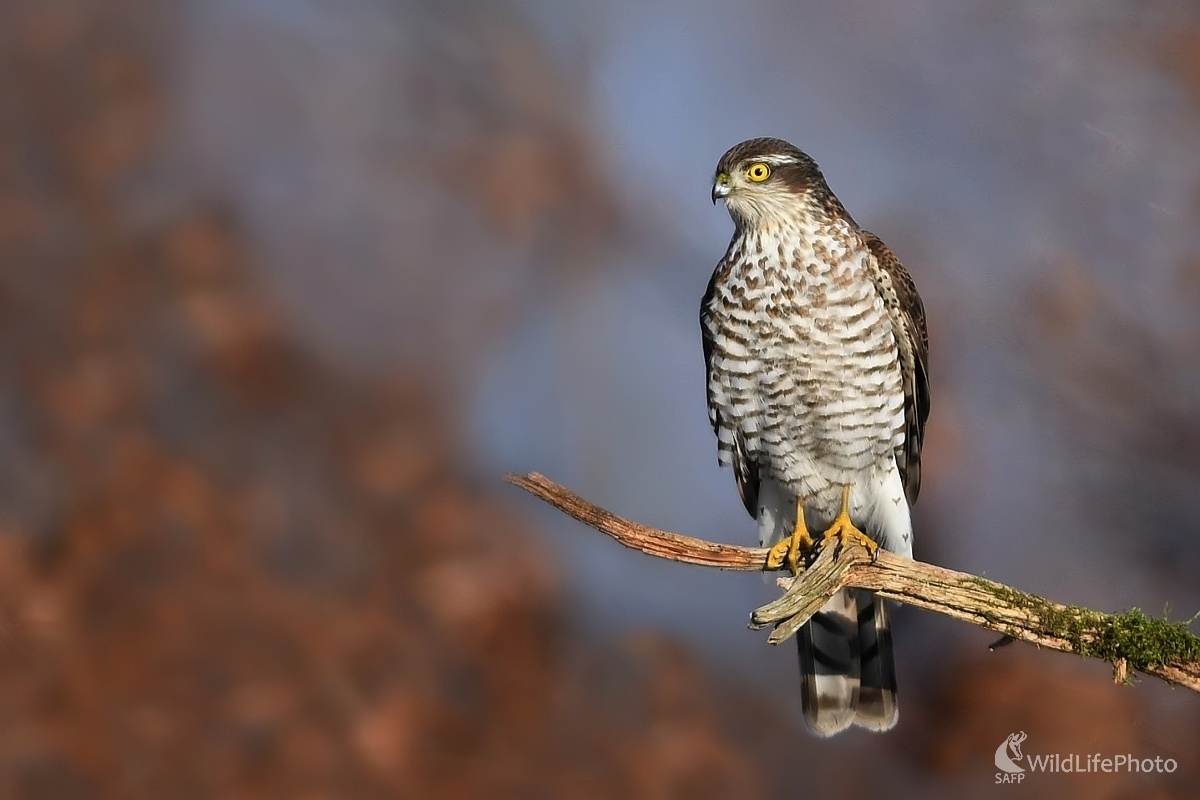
805	373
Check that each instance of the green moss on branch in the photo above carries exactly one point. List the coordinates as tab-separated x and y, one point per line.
1143	642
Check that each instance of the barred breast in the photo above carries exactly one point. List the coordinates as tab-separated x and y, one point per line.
804	376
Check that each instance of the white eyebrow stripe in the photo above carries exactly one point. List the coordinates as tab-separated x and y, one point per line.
777	161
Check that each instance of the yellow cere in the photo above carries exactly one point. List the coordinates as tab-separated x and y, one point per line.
758	172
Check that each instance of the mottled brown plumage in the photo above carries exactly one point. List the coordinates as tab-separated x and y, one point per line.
816	353
907	314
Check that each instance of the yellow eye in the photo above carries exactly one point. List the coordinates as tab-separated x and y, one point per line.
758	172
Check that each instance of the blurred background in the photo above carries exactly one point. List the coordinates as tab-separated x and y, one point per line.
286	286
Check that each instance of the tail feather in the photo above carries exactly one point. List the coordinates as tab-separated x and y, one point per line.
877	709
846	667
829	665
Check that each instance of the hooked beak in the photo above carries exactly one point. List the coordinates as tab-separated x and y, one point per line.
721	187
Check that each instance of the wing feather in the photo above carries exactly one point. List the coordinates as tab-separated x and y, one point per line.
745	467
907	313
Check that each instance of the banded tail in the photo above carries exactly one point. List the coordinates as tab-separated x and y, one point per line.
847	672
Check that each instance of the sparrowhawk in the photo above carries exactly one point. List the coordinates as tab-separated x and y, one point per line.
816	354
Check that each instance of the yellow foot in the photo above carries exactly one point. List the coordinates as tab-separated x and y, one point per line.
844	531
790	550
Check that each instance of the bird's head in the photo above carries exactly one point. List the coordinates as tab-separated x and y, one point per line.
765	180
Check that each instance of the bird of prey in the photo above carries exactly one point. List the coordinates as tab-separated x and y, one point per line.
816	354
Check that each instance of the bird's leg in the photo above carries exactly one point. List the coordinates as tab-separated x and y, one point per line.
844	531
788	551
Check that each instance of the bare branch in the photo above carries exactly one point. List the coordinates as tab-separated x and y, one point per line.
1130	641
